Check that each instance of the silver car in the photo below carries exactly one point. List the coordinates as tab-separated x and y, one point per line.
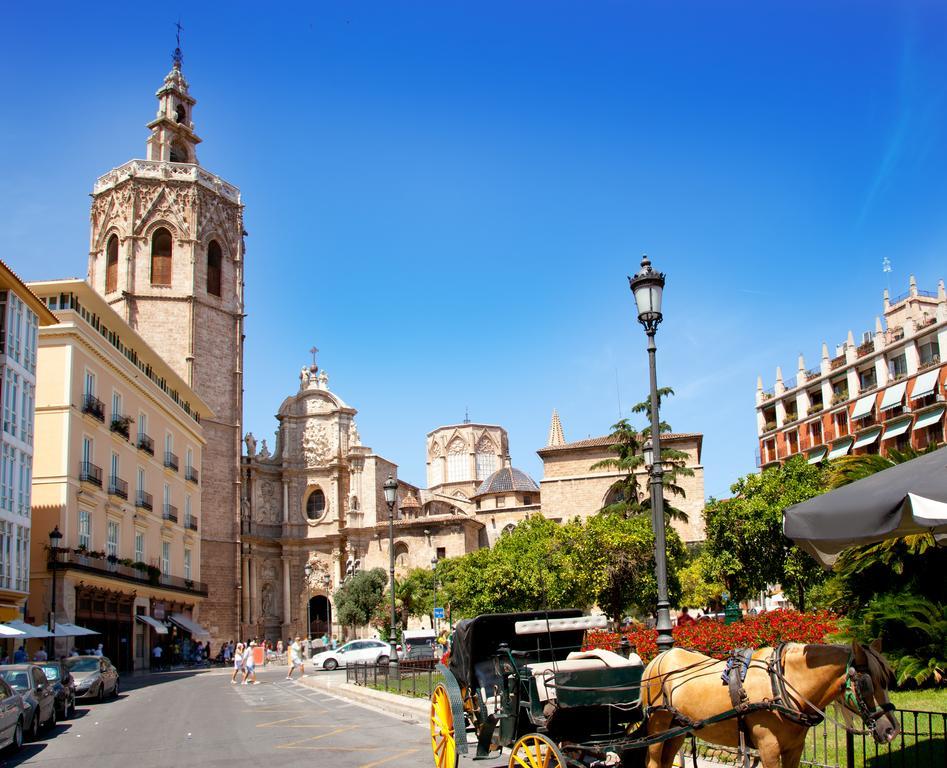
11	718
95	677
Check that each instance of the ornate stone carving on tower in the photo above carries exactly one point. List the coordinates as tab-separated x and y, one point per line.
167	250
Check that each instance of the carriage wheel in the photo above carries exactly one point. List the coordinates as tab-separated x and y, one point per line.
442	729
536	751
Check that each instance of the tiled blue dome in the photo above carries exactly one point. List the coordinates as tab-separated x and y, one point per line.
506	480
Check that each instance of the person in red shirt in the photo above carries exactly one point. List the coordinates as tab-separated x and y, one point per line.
684	617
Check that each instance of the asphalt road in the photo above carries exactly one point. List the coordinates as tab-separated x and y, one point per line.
200	719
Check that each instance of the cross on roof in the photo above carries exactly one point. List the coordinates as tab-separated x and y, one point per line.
314	351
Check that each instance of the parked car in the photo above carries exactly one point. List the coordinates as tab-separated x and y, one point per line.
64	686
11	718
95	677
39	700
374	651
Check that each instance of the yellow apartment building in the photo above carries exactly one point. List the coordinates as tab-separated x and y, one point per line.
117	470
21	315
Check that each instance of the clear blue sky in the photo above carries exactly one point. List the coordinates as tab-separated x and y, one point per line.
446	197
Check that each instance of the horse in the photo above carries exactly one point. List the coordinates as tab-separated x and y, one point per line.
785	692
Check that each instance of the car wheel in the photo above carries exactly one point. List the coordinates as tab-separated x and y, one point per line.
382	661
51	723
101	695
330	664
17	737
115	689
34	727
71	711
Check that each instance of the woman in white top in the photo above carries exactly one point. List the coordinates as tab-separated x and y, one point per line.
237	662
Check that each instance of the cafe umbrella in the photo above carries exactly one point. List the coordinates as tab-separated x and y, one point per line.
905	499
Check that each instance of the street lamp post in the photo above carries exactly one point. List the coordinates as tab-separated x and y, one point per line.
648	287
54	538
326	582
391	492
434	574
308	570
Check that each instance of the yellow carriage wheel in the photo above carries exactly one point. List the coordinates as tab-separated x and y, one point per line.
536	751
442	729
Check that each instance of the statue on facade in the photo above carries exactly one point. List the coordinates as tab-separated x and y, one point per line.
250	440
354	437
266	600
264	451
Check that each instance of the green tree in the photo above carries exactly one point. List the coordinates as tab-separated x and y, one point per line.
629	498
359	596
746	548
699	587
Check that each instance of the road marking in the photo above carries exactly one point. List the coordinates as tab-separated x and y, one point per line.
390	758
291	719
295	744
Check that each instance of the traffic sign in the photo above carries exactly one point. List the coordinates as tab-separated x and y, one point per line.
438	613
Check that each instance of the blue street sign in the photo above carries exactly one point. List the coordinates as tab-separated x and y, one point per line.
438	613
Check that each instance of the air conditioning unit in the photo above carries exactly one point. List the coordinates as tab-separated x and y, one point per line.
866	337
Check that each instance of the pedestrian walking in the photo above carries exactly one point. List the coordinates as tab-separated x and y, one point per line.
296	659
249	665
237	662
156	656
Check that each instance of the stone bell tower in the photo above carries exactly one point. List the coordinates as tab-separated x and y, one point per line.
167	253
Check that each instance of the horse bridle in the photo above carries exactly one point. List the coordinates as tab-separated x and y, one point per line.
859	693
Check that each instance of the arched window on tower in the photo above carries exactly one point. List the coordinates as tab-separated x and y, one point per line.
316	505
180	113
179	153
161	257
213	268
458	462
111	264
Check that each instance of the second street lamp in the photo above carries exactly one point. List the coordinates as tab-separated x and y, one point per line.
391	493
434	612
54	538
308	570
648	288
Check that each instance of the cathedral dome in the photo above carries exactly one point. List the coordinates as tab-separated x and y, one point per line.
506	480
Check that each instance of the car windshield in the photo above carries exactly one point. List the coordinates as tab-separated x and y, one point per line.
18	680
83	665
51	671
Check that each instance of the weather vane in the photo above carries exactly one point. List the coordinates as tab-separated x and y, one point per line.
178	57
314	351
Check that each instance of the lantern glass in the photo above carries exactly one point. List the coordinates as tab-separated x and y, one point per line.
54	538
391	488
648	452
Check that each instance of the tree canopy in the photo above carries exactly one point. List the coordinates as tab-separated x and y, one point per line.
359	596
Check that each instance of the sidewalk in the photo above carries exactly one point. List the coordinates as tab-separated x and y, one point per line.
405	707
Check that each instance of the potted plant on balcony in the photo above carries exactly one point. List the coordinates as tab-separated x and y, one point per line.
121	425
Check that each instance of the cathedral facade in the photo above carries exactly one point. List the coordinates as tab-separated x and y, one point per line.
166	252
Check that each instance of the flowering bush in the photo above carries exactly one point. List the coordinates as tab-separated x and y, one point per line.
714	638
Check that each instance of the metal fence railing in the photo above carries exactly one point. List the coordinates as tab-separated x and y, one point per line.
922	743
416	677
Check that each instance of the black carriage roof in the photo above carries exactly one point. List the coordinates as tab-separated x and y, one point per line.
477	639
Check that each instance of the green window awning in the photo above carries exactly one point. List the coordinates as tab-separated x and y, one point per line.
841	447
817	454
896	428
929	418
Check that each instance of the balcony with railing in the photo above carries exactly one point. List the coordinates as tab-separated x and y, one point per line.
190	522
837	362
170	513
171	460
813	373
192	474
118	487
916	292
865	349
120	425
93	406
840	397
146	444
144	500
90	473
67	559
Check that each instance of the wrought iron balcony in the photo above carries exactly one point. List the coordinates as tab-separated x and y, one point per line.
118	487
192	474
65	559
170	513
146	444
119	424
171	460
90	473
93	406
190	523
143	499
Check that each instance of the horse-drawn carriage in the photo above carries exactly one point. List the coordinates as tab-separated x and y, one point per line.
521	682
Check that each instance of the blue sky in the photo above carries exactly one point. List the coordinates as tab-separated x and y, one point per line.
446	197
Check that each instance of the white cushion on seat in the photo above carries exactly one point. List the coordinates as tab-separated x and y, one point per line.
545	671
610	658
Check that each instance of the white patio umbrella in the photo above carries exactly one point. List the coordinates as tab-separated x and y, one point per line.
8	631
29	630
905	499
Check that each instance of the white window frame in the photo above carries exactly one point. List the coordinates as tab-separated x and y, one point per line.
139	546
165	557
85	528
187	562
112	537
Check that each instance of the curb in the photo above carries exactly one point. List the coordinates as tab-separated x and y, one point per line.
404	707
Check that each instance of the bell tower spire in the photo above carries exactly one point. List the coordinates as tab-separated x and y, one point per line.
172	131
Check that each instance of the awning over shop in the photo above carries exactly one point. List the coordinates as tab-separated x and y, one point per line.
896	428
65	629
929	418
29	630
156	625
863	406
841	447
894	396
817	454
925	384
8	631
192	627
867	438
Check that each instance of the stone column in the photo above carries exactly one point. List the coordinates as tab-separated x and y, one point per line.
251	590
245	580
285	501
287	612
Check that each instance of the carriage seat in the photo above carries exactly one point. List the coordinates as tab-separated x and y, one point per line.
544	673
